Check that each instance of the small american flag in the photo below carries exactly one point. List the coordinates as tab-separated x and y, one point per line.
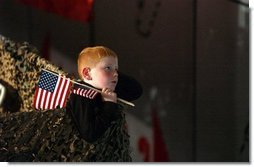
52	91
84	91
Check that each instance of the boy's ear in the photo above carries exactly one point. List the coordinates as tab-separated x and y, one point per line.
86	73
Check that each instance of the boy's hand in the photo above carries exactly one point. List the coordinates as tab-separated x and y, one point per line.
109	95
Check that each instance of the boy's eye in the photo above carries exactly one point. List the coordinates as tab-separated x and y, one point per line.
108	68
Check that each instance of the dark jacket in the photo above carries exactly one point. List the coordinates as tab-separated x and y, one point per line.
102	124
92	117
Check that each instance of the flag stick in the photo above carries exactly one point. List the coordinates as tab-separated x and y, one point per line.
99	91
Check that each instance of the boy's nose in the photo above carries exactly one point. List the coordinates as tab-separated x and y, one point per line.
115	73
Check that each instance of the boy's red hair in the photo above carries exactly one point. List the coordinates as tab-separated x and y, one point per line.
90	56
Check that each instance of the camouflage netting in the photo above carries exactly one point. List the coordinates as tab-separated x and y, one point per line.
20	68
50	136
41	136
47	136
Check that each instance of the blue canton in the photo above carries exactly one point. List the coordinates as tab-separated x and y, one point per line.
48	81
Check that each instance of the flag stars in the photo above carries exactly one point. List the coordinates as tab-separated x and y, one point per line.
52	91
47	81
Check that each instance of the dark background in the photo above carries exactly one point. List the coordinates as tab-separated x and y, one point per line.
193	64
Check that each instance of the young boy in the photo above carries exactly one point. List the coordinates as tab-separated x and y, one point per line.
100	120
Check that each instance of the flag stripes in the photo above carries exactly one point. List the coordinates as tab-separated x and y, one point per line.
52	91
88	93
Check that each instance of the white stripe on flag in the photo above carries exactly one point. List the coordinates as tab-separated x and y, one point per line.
47	100
84	94
54	96
61	97
38	98
78	91
43	99
87	94
65	92
92	94
81	92
59	86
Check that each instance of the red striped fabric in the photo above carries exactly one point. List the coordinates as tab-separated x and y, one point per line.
52	91
85	92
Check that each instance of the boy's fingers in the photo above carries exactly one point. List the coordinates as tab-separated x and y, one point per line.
107	90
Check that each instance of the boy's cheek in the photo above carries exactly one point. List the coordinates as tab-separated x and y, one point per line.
107	74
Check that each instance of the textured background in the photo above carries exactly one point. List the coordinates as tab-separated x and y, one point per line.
194	65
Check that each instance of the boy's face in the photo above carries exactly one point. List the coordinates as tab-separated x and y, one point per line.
104	74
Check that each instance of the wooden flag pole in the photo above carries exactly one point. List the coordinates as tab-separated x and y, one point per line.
99	91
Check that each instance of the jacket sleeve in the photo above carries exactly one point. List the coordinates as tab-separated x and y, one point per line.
92	117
